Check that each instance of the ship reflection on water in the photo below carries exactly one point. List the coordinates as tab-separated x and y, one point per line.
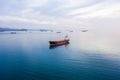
65	45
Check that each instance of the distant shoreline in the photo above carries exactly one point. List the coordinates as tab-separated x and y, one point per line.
11	29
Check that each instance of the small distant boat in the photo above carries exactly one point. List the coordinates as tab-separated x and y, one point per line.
71	31
13	32
84	30
58	32
58	43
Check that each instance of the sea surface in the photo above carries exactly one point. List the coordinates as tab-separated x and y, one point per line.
90	55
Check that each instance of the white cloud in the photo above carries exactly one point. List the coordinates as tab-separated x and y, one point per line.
26	20
104	9
69	4
58	12
53	21
35	3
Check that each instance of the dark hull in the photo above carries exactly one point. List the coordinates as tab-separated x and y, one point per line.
58	43
13	32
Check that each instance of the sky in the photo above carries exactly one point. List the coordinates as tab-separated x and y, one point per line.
59	13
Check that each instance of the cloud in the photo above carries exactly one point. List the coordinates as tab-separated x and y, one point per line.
57	12
25	20
106	8
41	20
35	3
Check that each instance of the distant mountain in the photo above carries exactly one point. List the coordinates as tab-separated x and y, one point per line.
42	30
10	29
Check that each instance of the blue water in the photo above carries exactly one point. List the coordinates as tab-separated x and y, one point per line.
89	56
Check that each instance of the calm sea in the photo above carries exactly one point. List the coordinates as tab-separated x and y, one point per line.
89	56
